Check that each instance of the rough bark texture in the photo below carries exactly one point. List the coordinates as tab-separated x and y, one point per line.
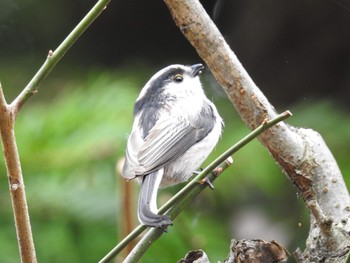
301	153
256	251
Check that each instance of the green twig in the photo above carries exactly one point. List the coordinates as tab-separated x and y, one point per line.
177	203
54	57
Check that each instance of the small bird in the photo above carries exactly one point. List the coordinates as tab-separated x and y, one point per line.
175	128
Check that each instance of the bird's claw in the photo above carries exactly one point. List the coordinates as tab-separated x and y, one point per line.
207	182
198	172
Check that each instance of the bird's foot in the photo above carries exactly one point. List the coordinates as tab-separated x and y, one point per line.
198	172
207	182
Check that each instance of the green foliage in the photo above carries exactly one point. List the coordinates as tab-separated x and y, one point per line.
69	144
68	148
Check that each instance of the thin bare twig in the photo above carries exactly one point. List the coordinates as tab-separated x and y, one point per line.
54	57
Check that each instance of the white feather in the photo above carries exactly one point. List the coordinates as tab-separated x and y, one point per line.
170	147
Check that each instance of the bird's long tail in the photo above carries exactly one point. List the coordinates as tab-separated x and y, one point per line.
147	206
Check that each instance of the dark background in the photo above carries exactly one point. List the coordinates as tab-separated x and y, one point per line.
294	50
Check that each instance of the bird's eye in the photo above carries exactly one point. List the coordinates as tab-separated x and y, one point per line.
178	78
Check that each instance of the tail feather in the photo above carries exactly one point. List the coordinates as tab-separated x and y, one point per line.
147	207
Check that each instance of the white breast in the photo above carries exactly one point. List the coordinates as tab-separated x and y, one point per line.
183	168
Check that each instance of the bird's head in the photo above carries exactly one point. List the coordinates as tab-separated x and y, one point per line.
173	80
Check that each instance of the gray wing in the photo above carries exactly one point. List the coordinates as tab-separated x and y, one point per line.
170	138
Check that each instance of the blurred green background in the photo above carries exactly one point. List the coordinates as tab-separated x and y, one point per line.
72	133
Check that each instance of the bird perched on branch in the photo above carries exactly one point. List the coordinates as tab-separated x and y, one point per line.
175	128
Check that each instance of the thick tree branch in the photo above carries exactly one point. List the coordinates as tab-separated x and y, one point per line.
301	153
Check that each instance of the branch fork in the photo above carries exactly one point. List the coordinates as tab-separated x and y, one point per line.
8	114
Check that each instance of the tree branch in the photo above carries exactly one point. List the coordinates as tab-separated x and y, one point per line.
301	153
54	57
8	113
16	184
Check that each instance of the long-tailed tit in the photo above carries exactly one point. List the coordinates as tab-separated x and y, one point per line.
175	129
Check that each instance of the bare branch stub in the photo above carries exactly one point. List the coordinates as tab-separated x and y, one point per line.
256	250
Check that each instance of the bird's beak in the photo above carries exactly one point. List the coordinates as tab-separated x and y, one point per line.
196	69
